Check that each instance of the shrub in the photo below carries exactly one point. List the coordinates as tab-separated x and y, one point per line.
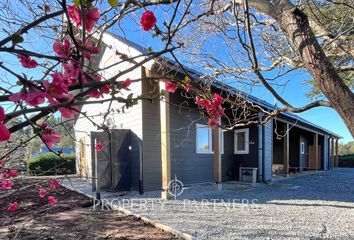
51	164
346	161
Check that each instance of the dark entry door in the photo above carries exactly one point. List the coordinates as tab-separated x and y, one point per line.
304	153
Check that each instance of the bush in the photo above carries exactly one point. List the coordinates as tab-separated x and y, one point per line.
346	161
51	164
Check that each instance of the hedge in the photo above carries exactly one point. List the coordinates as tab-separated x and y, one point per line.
346	161
51	164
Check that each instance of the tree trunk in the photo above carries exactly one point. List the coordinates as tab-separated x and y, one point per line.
296	25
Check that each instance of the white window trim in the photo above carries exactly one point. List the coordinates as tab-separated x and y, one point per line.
302	148
247	142
210	140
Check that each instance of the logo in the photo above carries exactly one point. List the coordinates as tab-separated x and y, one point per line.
175	187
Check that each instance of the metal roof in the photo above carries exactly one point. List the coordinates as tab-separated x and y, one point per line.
227	88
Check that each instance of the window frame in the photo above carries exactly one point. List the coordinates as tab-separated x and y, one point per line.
210	139
247	142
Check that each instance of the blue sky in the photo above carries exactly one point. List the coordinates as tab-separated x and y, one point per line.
294	92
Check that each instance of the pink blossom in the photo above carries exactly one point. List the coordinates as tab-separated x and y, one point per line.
35	97
27	62
56	89
2	114
4	133
52	200
12	173
202	102
72	71
6	184
97	93
49	136
212	122
42	192
148	20
187	87
62	49
99	147
1	163
89	50
12	207
17	97
92	16
54	184
69	112
125	84
74	14
217	99
171	87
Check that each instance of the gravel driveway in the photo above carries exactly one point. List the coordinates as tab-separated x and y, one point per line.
316	206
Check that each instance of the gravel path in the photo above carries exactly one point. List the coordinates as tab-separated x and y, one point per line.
316	206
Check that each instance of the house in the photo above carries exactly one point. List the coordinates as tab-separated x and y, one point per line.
153	141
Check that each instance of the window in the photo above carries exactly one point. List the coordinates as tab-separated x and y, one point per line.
241	140
302	148
204	139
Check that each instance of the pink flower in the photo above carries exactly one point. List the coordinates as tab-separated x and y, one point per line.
212	122
69	112
17	97
98	92
92	16
35	97
148	20
2	114
54	184
74	14
52	200
88	50
49	136
72	71
62	49
171	87
4	133
6	184
99	147
56	89
187	87
27	62
217	99
12	173
1	163
202	102
12	207
125	84
42	192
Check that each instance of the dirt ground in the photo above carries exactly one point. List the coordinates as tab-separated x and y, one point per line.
71	218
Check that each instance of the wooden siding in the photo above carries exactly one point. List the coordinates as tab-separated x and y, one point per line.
191	167
130	119
151	136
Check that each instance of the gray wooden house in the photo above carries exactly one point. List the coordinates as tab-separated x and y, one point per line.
167	140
